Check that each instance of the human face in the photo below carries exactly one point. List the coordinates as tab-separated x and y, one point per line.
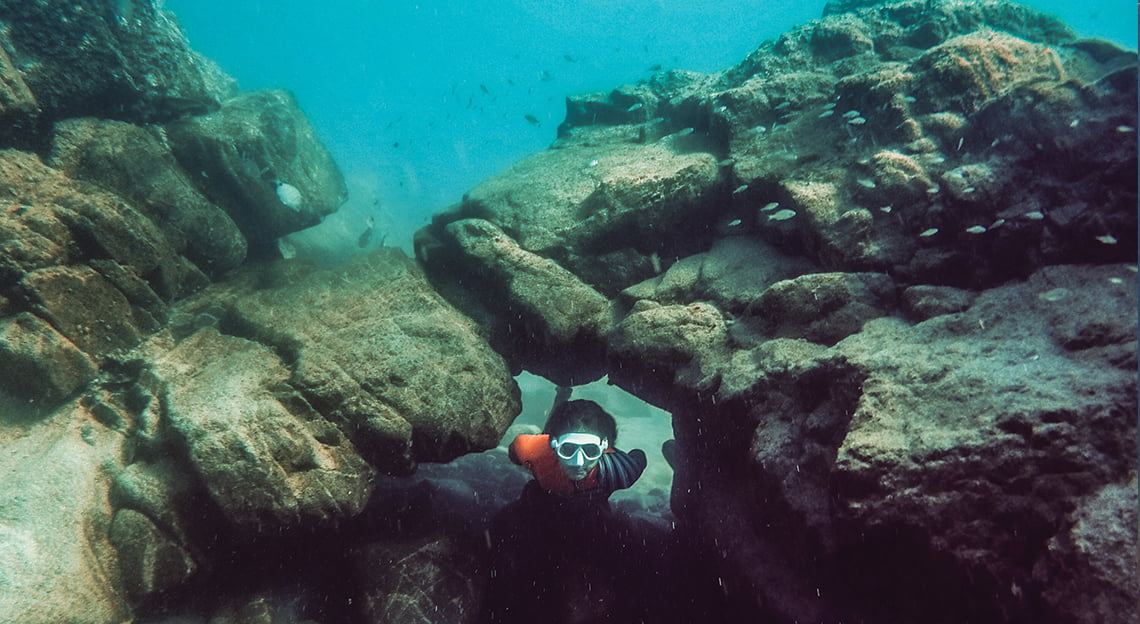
578	453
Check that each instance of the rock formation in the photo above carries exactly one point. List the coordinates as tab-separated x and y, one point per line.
882	272
174	402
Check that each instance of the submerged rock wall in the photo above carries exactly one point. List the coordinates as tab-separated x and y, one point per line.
883	274
183	414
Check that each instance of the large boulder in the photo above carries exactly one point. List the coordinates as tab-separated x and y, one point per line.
266	457
116	60
607	211
372	347
39	362
136	163
517	291
259	158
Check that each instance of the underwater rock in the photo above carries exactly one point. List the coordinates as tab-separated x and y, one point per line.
732	274
83	306
535	298
54	220
115	60
823	307
57	563
239	154
625	105
922	301
38	362
422	581
667	345
1088	572
151	562
575	203
266	457
135	163
370	346
19	111
996	438
962	73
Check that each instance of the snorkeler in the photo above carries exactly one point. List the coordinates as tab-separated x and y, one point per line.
575	457
558	554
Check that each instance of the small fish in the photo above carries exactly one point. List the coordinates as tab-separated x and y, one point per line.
829	106
886	209
289	195
635	107
366	236
532	119
976	229
968	190
1125	129
910	99
740	189
960	141
997	224
1035	215
769	207
683	132
866	182
933	190
654	68
484	89
1115	280
782	105
722	109
851	114
826	113
1074	123
761	129
727	162
782	215
545	76
594	162
1054	295
857	121
995	142
1107	239
569	59
734	223
929	233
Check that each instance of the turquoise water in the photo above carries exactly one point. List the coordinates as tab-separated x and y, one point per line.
419	100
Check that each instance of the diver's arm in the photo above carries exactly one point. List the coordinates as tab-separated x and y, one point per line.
618	470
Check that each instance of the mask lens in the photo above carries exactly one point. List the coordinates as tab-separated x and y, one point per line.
566	450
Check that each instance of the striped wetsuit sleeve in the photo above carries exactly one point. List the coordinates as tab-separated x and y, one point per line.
619	470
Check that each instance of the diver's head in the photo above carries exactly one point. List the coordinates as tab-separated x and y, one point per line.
578	452
580	431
